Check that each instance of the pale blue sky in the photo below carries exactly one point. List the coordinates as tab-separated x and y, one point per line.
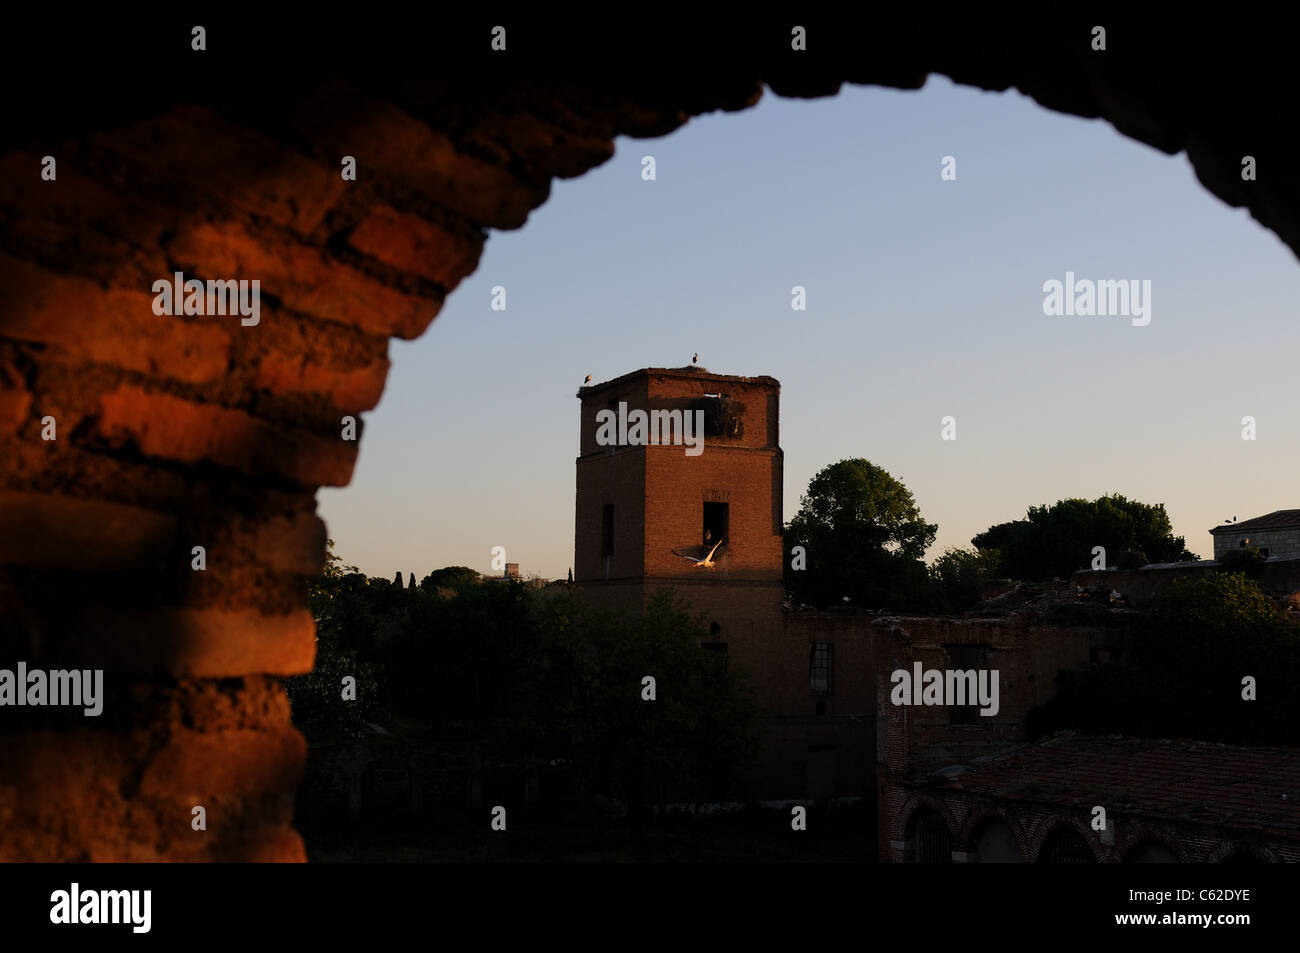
924	299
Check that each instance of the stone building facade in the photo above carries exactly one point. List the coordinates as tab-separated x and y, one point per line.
1276	535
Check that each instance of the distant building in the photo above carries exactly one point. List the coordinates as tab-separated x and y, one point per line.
1276	535
510	574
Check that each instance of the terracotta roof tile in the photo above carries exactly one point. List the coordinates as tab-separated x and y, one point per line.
1278	519
1255	788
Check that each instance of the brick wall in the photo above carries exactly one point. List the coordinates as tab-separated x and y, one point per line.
1140	586
1031	824
172	432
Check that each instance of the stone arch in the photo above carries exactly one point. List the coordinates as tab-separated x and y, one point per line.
1241	851
920	801
992	839
927	837
1064	840
179	433
1138	834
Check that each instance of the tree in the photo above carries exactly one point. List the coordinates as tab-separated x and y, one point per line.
1184	677
958	577
316	698
1056	540
581	690
864	538
450	577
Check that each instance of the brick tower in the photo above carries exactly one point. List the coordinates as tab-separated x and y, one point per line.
647	516
651	502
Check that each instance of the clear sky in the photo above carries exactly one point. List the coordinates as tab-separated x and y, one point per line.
924	299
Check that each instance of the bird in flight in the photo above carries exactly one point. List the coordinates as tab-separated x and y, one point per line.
707	560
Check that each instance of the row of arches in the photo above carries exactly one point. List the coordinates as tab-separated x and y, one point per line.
928	839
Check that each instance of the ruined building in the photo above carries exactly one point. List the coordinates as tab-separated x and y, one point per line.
656	509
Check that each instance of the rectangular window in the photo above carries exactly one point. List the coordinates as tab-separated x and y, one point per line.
964	658
715	523
607	531
819	668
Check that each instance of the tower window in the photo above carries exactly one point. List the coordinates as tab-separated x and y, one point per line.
819	668
715	523
967	658
607	530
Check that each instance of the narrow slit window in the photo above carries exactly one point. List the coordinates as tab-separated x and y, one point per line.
607	530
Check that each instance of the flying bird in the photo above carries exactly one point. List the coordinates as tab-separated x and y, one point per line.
707	561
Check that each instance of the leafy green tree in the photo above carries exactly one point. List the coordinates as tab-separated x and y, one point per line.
319	709
864	538
535	674
583	690
1248	560
450	577
958	577
1054	541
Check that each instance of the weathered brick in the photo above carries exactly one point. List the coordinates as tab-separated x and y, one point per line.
14	405
249	171
159	425
42	531
392	143
200	643
409	243
546	147
198	765
353	389
304	278
281	845
109	326
292	544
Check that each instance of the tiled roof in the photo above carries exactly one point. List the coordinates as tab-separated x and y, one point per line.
1278	519
1194	781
